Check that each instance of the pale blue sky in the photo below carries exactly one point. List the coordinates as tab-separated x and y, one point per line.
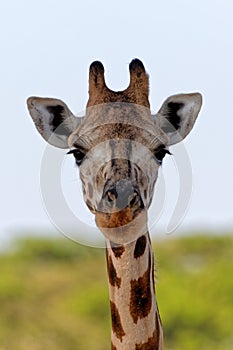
46	49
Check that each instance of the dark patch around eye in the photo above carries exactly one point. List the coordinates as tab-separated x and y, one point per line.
172	114
160	153
78	155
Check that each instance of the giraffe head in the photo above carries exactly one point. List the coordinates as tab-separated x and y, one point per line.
118	146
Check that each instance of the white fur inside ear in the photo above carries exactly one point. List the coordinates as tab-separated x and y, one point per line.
45	119
44	112
178	114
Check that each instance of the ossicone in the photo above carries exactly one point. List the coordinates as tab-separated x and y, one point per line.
96	77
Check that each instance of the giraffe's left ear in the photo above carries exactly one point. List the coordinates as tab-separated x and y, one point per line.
53	119
178	114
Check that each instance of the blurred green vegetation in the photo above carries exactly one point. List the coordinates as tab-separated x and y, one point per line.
54	295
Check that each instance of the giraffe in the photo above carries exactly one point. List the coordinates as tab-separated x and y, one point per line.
119	146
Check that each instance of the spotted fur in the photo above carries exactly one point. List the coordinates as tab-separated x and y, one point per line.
119	146
151	344
113	347
116	322
112	274
140	247
117	249
141	295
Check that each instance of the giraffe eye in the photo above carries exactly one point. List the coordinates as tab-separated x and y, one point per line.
160	154
78	155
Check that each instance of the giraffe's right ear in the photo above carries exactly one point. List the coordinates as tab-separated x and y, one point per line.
53	119
178	114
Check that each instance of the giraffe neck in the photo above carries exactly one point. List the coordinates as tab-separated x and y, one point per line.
136	322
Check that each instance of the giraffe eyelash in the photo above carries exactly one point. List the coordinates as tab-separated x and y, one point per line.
78	155
160	154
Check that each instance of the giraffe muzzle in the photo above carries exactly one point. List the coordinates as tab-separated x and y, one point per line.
123	195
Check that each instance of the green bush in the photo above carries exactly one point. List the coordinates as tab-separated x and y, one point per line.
54	295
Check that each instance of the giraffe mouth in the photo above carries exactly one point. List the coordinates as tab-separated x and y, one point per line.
121	203
124	226
118	218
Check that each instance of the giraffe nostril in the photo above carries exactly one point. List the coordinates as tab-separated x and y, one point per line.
111	195
134	199
122	197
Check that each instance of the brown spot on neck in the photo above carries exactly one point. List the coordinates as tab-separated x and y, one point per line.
117	249
151	344
113	347
112	274
141	295
116	322
140	247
